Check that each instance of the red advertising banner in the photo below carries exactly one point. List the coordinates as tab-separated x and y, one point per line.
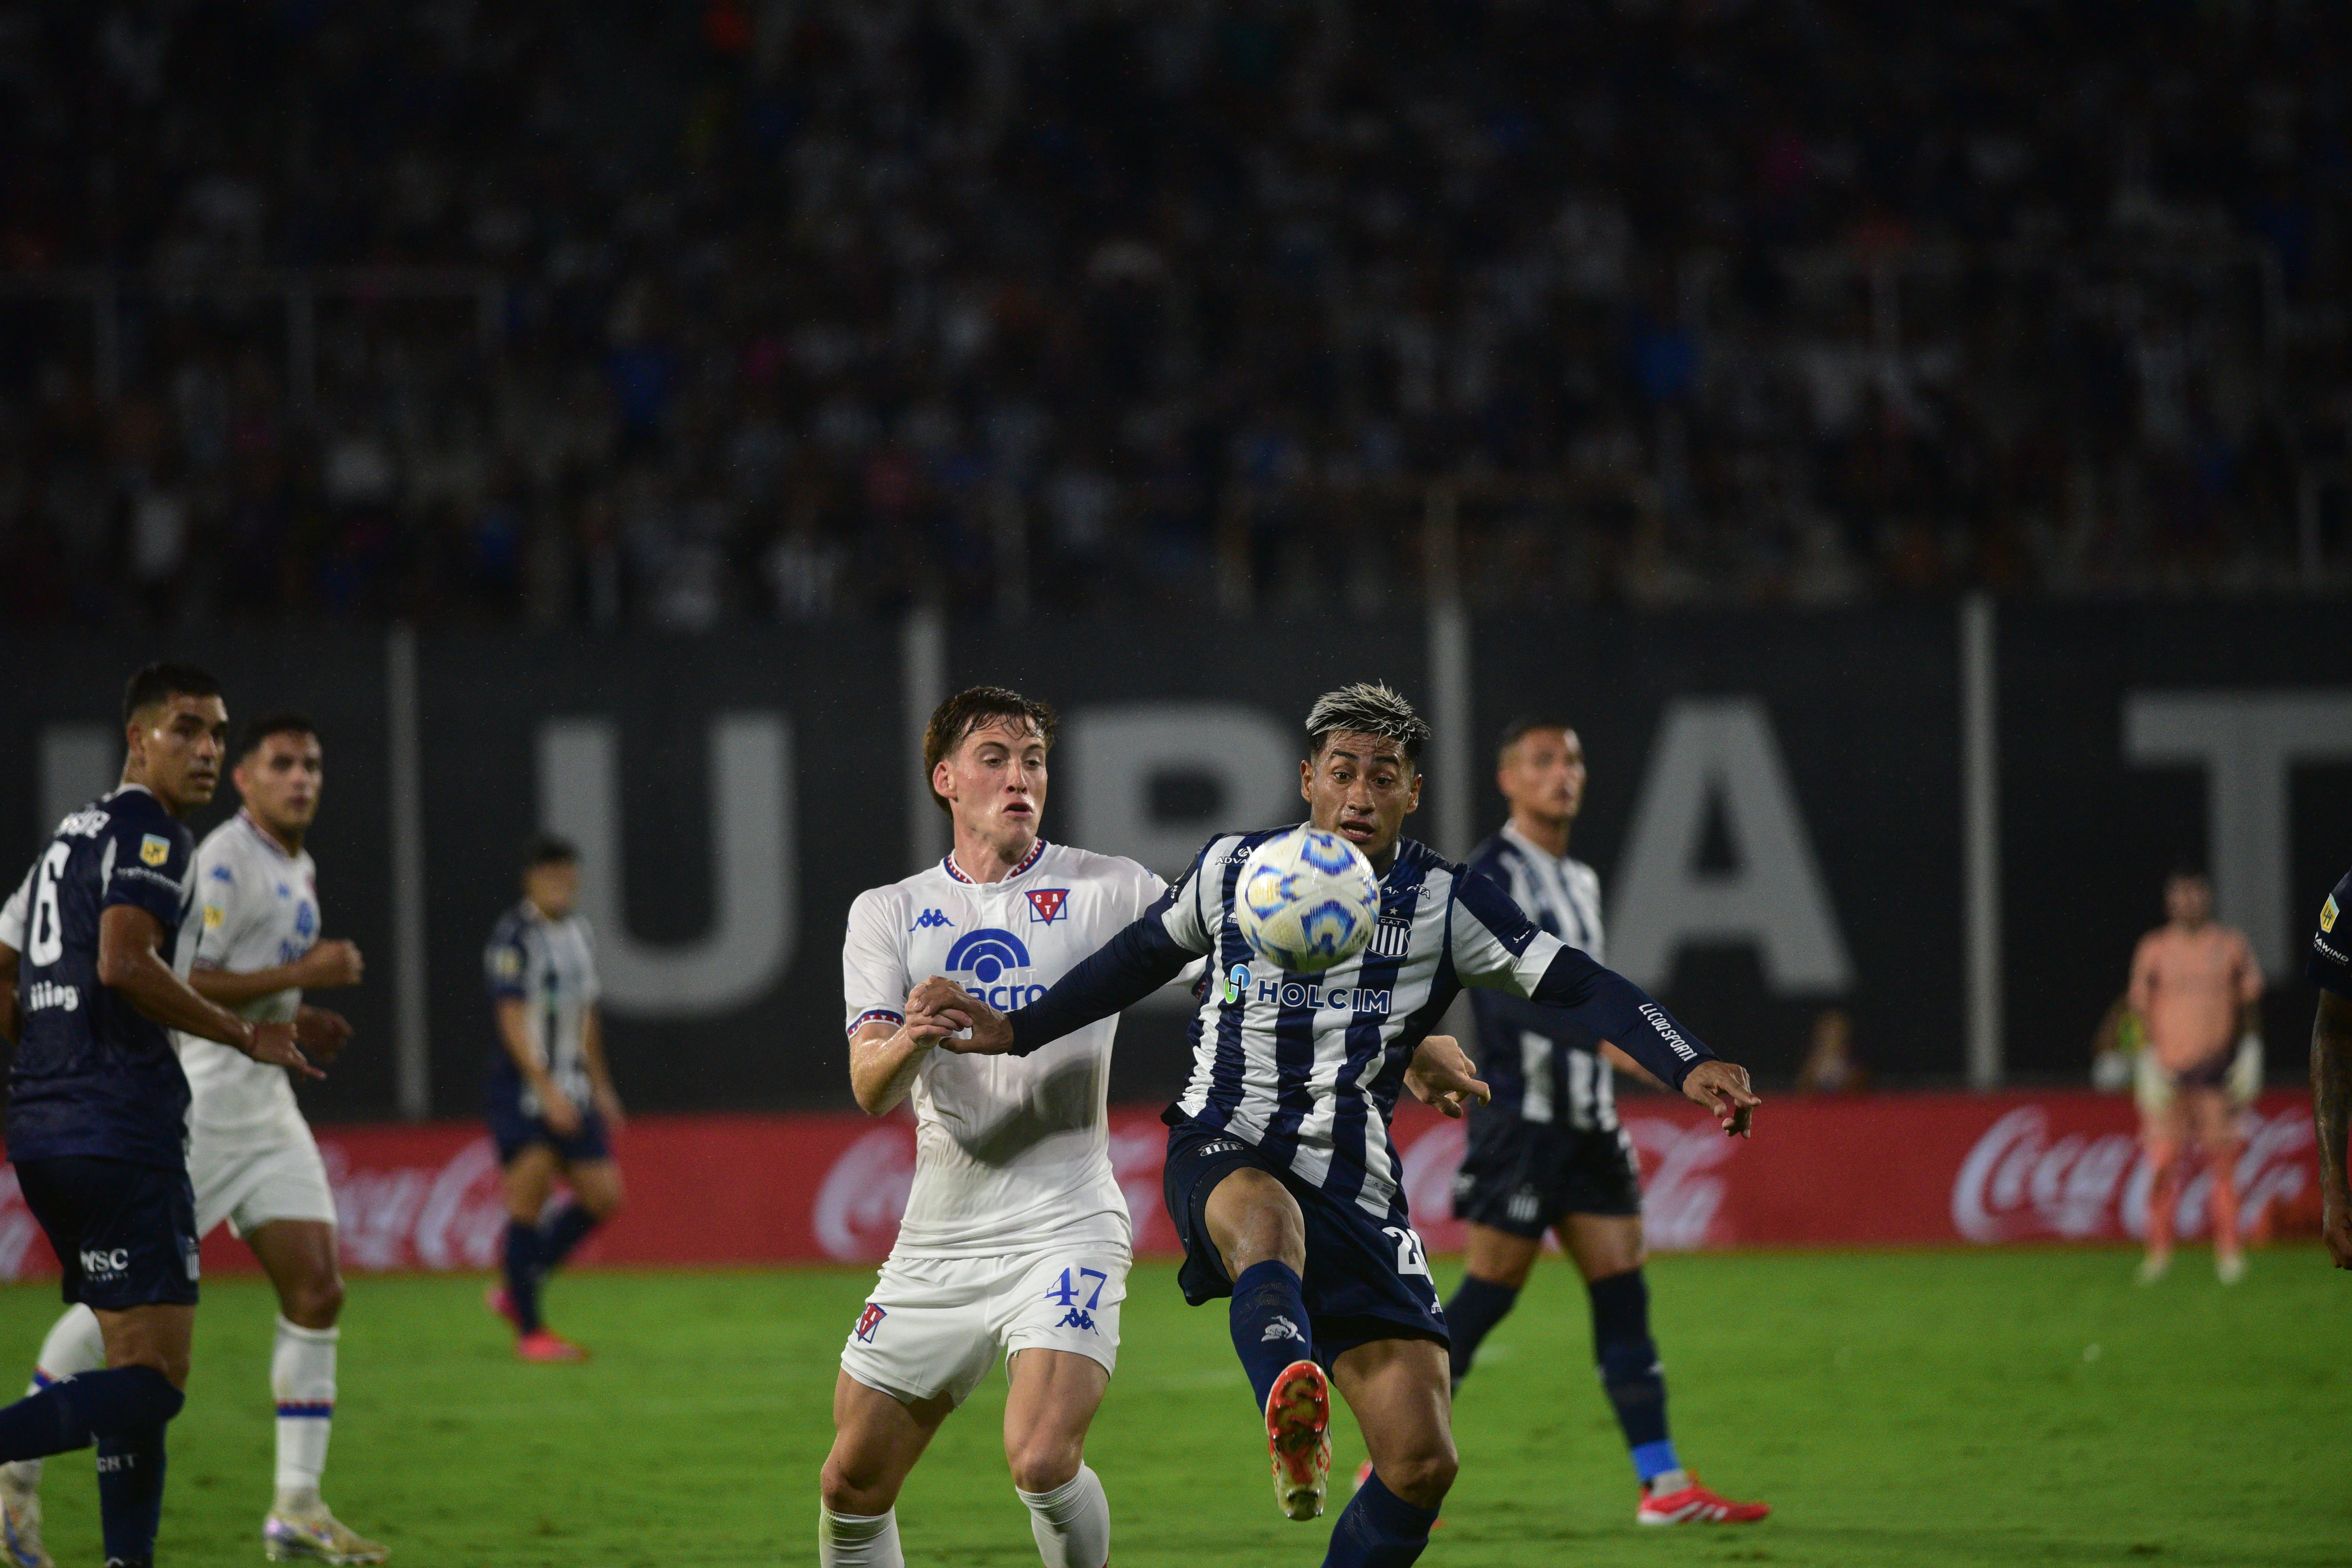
1859	1171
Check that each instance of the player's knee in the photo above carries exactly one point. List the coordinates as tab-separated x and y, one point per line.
1424	1476
845	1492
316	1300
1044	1463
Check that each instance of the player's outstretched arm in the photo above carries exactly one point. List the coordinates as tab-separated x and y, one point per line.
1130	966
335	962
2331	1105
128	961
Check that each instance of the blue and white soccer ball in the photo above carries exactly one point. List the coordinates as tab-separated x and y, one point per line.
1306	900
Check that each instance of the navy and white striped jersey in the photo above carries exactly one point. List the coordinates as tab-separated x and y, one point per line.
550	967
1542	1066
1307	1067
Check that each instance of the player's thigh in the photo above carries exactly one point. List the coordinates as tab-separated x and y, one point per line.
527	1180
1398	1390
1497	1255
159	1336
2212	1120
1252	1218
1601	1245
298	1256
596	1183
876	1439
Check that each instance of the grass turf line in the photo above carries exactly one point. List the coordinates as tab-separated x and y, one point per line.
1931	1408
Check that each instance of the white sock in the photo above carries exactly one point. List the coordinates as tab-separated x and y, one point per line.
1072	1522
1665	1483
75	1345
302	1377
857	1540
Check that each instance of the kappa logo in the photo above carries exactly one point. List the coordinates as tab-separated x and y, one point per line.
154	849
929	919
1079	1317
1046	904
867	1321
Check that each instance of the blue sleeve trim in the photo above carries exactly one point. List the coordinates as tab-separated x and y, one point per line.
873	1014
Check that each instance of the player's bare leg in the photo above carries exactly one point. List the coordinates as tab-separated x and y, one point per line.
1053	1401
299	1257
2215	1120
1261	1238
1399	1391
876	1439
526	1183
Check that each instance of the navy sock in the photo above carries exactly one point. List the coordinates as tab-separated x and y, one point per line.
1630	1372
1269	1324
1478	1306
1377	1530
75	1411
559	1236
522	1273
130	1492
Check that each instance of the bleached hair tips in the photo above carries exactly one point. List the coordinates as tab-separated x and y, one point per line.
1367	707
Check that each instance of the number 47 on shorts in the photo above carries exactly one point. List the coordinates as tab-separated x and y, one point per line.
1066	1296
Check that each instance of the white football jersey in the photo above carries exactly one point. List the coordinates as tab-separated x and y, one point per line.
1011	1152
257	909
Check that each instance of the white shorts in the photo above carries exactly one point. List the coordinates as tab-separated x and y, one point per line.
935	1325
254	1174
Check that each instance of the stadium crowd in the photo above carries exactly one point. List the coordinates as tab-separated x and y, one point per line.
755	309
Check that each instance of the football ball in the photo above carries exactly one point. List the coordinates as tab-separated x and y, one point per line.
1306	900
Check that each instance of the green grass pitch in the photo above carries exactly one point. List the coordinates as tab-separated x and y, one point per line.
1932	1408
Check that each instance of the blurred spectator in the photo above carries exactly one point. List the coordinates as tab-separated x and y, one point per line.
1831	1065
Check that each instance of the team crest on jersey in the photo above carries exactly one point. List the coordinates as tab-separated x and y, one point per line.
868	1321
154	849
1392	937
1046	904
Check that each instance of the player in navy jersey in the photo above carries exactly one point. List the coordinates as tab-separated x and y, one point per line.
1547	1154
1284	1184
97	1104
552	1107
2330	968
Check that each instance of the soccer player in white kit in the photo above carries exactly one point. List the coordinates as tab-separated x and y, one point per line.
1016	1238
251	1157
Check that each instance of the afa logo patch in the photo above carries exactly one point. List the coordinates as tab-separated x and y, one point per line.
1046	904
867	1321
2327	914
154	849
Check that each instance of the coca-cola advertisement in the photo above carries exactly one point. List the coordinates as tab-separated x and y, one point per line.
1863	1170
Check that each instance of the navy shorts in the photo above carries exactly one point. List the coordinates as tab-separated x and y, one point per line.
1367	1277
124	1233
513	1130
1522	1177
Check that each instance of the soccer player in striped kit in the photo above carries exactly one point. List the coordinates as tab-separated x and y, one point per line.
1547	1153
1284	1184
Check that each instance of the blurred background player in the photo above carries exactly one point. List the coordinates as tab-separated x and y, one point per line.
251	1157
2330	968
1016	1239
551	1103
1547	1154
98	1103
2195	986
1282	1179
